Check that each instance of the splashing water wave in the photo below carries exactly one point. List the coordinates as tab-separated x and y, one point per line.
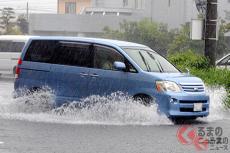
115	109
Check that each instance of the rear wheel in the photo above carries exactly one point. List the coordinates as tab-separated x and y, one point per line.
14	70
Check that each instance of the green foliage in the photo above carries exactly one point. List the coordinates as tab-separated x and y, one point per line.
214	76
182	42
199	66
189	60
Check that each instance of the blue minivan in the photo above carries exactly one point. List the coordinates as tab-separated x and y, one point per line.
80	67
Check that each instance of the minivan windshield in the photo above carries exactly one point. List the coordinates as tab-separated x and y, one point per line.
150	61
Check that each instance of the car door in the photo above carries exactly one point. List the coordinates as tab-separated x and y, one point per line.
104	79
70	70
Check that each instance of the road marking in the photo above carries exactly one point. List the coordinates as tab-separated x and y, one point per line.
1	142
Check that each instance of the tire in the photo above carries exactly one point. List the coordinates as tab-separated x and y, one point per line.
14	70
144	99
183	120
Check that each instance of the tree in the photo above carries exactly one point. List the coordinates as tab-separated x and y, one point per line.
23	25
165	41
182	42
155	35
6	23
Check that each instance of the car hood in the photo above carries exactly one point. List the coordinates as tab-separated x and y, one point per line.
179	78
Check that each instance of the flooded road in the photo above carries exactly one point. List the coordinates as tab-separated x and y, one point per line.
116	126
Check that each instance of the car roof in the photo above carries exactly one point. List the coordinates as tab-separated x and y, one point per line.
15	37
91	40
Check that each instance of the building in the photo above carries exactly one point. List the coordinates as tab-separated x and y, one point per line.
72	6
73	25
99	7
89	17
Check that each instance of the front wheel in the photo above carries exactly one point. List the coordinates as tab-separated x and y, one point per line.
144	99
183	120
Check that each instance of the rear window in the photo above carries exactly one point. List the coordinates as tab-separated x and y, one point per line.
11	46
41	51
59	52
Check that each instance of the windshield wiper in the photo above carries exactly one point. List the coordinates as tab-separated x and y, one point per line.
157	62
146	64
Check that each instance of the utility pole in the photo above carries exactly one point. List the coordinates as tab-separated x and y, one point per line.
27	11
151	10
211	36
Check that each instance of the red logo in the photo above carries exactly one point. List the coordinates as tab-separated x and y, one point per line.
201	144
187	135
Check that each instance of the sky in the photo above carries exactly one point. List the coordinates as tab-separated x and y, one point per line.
35	6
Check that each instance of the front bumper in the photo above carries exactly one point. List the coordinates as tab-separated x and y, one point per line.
182	104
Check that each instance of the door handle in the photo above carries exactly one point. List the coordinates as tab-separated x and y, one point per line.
84	74
94	75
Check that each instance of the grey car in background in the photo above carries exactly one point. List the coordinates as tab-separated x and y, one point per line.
224	62
10	50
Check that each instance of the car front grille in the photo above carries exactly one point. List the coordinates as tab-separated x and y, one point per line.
190	109
192	102
192	87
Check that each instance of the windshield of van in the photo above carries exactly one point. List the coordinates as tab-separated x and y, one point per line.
11	46
150	61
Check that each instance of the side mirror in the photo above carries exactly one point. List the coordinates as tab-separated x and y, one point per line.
119	66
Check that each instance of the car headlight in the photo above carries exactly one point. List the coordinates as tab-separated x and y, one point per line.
164	86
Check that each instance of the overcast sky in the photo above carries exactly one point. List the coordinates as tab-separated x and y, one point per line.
35	6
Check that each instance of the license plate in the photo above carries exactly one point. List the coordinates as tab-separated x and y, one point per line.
197	107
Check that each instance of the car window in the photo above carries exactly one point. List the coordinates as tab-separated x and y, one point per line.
104	58
11	46
59	52
150	61
73	54
41	51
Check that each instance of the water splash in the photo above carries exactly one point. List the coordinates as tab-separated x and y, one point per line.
218	111
115	109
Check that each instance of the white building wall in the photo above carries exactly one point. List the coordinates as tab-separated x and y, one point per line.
172	12
224	9
134	4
